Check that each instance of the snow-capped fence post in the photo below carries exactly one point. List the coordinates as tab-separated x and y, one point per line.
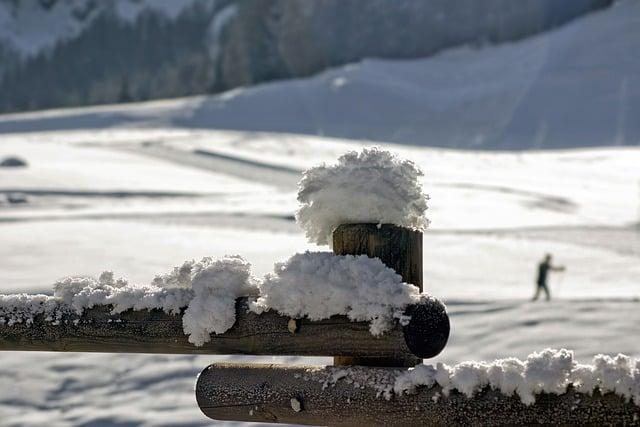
398	248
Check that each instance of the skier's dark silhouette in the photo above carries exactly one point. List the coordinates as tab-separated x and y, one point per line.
543	271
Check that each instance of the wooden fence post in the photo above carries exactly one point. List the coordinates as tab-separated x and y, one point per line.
398	248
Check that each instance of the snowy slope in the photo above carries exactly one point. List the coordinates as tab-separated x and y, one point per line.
572	87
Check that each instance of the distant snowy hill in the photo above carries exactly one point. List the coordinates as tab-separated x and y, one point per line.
575	86
56	53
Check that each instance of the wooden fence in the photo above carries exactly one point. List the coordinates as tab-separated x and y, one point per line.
280	394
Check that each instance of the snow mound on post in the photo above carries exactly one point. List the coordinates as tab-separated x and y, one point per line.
216	285
319	285
548	371
373	186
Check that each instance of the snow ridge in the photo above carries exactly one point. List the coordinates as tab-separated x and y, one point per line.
319	285
81	293
370	186
548	371
21	308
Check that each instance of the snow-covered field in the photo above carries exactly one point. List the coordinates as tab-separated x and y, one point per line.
139	202
138	207
139	189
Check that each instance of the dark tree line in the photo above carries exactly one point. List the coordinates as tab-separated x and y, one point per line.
114	60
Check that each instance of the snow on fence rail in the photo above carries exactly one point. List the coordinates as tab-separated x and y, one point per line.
317	304
98	329
369	396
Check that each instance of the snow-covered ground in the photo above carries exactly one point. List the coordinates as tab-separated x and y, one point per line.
140	201
138	207
138	189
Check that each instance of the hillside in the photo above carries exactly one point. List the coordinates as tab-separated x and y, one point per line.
576	86
56	53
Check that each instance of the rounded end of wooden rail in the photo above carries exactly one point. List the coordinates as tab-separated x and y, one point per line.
427	333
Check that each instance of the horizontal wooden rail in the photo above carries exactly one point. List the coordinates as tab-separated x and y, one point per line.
153	331
269	393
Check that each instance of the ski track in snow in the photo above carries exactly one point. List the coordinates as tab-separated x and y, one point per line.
280	176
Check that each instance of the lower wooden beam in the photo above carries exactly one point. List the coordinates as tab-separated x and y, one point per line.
153	331
329	396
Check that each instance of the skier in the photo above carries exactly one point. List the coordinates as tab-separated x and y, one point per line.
543	271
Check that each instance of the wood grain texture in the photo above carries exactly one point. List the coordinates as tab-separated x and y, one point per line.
263	393
153	331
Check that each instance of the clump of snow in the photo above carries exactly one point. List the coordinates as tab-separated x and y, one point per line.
469	377
216	284
82	293
178	277
421	376
548	371
620	375
507	375
319	285
208	289
370	186
22	308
